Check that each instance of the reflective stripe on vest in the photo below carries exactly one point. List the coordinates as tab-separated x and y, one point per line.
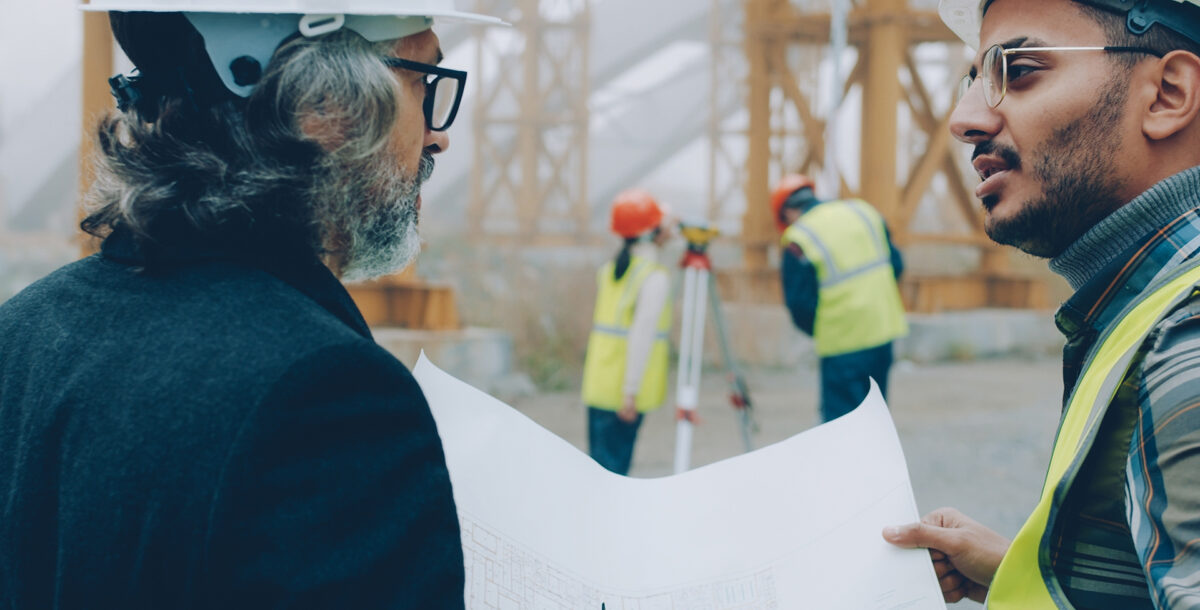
859	304
623	332
604	366
1025	579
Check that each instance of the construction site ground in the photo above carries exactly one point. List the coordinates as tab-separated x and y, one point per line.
976	434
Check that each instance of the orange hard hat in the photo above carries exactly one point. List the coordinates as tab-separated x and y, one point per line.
787	185
634	212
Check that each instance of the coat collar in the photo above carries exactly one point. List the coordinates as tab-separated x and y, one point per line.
299	267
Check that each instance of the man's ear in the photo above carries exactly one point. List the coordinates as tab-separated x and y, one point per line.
1177	104
327	131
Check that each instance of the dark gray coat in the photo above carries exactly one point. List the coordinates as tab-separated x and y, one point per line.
213	433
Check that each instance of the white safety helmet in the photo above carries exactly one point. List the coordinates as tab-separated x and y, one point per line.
964	17
240	37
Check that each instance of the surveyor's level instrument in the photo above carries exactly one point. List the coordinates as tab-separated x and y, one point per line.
697	280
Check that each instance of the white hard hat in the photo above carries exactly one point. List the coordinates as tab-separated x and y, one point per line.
427	8
964	17
236	31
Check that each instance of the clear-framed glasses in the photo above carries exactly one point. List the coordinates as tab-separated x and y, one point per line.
993	70
443	91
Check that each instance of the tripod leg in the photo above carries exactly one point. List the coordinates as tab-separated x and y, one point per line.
700	307
683	430
740	393
691	349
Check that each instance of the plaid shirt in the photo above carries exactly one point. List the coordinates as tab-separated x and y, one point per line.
1128	535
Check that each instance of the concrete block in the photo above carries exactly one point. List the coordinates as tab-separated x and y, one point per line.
765	335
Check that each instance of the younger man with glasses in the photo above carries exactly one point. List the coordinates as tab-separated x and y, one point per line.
1084	116
197	416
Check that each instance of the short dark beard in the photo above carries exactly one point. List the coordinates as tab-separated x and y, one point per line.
1075	166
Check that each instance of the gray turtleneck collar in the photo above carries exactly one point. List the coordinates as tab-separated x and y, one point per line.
1152	210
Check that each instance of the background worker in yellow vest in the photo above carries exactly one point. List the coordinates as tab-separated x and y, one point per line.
1084	116
625	372
839	271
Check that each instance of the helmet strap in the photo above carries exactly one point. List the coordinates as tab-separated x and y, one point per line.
1176	16
146	93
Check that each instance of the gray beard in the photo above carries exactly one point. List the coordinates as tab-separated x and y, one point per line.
371	208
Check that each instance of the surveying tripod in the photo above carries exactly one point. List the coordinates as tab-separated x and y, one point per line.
697	280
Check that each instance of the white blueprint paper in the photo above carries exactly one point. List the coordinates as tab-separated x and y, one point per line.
793	525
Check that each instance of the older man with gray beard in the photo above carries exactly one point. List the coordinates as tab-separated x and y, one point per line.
197	416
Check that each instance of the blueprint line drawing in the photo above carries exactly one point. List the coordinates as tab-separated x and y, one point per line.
501	574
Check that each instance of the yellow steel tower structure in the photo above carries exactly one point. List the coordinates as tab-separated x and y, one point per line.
529	184
905	160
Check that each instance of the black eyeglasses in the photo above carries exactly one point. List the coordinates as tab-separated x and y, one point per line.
442	94
994	69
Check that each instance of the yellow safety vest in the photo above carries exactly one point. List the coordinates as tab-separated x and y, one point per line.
1025	579
604	366
858	304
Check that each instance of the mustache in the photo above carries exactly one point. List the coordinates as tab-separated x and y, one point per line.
426	168
1007	153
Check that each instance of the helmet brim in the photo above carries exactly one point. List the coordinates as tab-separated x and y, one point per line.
963	18
439	15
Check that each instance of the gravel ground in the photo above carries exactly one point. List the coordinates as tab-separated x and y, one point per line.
976	434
